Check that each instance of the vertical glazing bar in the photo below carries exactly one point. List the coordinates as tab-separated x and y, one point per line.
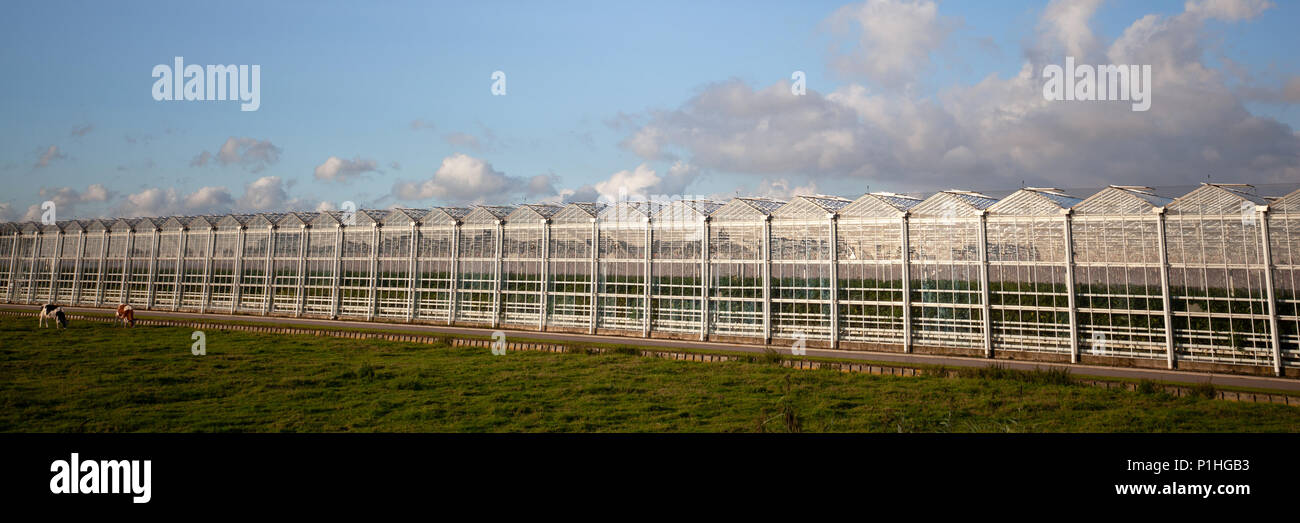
412	273
13	267
835	280
595	271
31	272
1269	293
454	290
1164	287
1071	299
704	278
906	273
766	250
124	293
236	292
178	279
374	271
269	277
76	267
99	275
545	298
985	305
337	285
648	276
153	267
207	269
54	266
304	236
496	273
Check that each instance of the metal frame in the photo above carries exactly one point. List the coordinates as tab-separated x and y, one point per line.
1191	279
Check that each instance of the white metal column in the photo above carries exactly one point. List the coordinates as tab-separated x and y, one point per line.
337	286
1071	299
545	298
496	274
648	276
13	267
178	280
207	269
453	292
54	267
835	280
99	275
76	267
31	273
704	278
906	273
375	236
595	275
125	290
1170	355
985	294
237	279
304	236
269	277
766	250
1274	338
413	267
153	267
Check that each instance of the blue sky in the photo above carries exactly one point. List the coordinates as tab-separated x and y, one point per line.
401	87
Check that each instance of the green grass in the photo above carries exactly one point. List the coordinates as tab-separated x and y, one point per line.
99	378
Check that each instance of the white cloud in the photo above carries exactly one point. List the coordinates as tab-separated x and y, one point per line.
251	154
50	154
1228	10
153	201
341	169
999	131
465	179
67	201
895	39
1066	22
208	200
158	202
781	189
268	193
637	184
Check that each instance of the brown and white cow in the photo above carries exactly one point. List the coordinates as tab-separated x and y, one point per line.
127	314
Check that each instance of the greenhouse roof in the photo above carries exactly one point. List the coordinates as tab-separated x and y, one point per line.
1034	201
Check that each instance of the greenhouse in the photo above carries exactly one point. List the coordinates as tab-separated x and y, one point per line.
1123	276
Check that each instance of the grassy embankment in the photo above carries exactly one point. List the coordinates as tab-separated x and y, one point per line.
99	378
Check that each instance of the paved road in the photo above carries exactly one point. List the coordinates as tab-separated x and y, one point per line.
1233	380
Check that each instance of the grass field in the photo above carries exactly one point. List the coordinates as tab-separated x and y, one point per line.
99	378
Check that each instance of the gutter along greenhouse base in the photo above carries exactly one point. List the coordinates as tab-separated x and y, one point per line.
1206	281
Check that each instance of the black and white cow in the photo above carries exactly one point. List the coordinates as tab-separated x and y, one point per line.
55	314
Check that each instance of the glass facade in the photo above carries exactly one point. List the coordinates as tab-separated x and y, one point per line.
1212	276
